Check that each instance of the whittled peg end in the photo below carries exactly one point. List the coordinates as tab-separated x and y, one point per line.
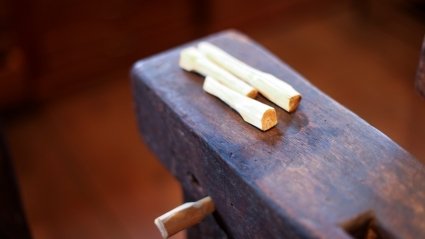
184	216
252	93
294	101
269	119
161	227
254	112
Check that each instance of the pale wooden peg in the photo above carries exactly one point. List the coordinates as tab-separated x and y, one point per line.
184	216
254	112
274	89
192	60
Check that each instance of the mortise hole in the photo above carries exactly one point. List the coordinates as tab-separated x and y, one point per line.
365	226
222	225
193	180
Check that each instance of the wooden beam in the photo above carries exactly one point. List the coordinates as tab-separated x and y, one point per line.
322	172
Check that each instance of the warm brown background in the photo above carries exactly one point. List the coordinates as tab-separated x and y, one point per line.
64	90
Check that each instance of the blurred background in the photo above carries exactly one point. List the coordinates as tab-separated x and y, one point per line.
66	100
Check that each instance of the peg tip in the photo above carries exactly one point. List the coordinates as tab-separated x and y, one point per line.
294	102
161	227
269	119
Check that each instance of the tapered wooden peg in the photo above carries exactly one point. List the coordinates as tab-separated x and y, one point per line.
184	216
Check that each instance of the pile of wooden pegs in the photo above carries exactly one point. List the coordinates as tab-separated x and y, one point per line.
237	84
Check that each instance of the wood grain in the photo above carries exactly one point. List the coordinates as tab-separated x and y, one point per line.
318	171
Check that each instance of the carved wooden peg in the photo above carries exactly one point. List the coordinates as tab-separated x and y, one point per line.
192	60
274	89
184	216
254	112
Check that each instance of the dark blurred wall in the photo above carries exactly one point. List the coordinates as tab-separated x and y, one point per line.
54	47
69	44
49	47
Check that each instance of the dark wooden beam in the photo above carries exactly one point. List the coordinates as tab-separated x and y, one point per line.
323	172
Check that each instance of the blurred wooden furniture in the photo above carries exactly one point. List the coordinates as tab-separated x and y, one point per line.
420	74
91	42
321	173
12	218
12	62
68	45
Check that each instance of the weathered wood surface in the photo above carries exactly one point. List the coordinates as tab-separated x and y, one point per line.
420	74
321	172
